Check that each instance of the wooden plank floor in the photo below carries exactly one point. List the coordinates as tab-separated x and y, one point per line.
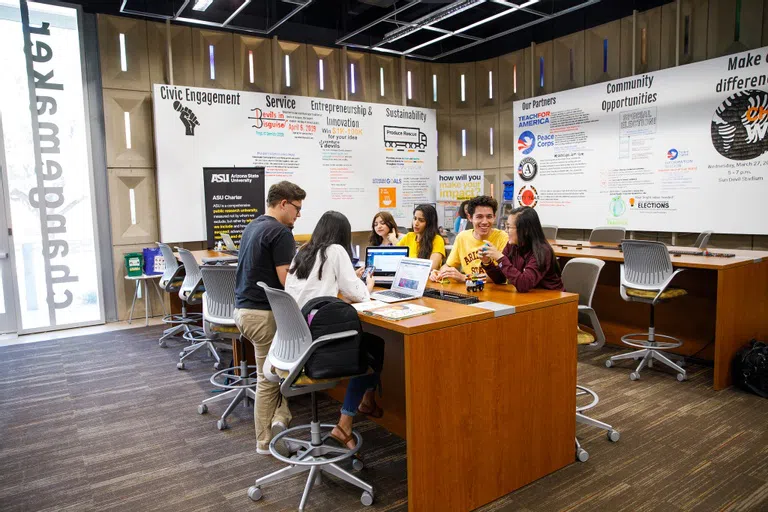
106	422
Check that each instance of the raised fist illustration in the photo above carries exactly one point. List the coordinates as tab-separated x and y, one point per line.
187	117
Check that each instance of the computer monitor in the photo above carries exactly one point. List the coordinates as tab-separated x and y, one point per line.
384	259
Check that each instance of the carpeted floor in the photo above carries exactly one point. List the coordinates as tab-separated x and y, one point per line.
106	422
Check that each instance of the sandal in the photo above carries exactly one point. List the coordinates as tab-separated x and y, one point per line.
373	412
343	441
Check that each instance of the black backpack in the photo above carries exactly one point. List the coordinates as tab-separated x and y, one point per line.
341	358
750	368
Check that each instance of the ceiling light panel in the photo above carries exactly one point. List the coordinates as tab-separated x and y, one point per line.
201	5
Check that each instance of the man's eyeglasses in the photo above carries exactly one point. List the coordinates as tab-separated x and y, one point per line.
298	208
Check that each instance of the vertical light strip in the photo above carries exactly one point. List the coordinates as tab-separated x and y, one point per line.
570	69
463	89
514	79
212	62
123	56
287	70
463	142
434	88
381	81
410	96
322	74
127	121
686	32
490	136
605	55
541	72
132	204
250	65
352	78
490	85
643	46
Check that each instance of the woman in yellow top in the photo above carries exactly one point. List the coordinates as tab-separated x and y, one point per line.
425	240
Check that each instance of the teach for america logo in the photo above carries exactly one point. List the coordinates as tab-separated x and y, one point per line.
526	142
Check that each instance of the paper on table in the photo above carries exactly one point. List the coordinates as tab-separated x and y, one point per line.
371	304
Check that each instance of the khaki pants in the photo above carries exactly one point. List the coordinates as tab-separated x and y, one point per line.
259	327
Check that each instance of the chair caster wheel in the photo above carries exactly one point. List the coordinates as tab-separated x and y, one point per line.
180	365
218	366
681	377
222	425
366	499
582	455
357	464
614	436
634	376
162	344
181	354
608	363
202	409
681	363
254	493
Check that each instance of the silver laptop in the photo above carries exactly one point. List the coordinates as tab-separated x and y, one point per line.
384	260
230	246
409	281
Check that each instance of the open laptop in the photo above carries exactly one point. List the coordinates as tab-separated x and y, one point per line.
231	248
409	281
384	260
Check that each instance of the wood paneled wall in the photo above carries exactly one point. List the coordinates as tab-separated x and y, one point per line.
482	117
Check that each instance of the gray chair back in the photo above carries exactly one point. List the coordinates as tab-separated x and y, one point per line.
292	338
219	296
703	240
580	276
647	264
193	279
171	265
550	232
607	234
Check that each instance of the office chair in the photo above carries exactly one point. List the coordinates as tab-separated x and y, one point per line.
702	241
607	234
218	321
291	348
550	232
580	276
171	281
191	293
645	277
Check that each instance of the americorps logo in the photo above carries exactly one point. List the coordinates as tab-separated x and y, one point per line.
526	142
672	154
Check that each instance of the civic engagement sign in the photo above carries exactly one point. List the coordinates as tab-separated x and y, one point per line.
683	149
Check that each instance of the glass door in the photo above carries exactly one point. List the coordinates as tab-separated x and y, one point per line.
43	102
7	288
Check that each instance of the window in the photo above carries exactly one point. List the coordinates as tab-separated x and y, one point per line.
409	85
352	78
321	73
123	56
212	62
287	70
250	66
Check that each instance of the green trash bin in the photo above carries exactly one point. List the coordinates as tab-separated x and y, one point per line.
134	264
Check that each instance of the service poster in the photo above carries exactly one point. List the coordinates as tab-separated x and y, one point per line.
353	157
233	198
683	149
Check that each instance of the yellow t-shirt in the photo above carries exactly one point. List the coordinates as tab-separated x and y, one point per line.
409	241
464	255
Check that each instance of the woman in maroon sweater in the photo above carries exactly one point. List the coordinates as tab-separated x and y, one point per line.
528	260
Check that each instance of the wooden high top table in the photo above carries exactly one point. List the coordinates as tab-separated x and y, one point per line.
486	404
726	305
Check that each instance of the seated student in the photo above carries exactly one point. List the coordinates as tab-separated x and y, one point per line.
462	220
528	261
322	268
465	257
425	240
384	230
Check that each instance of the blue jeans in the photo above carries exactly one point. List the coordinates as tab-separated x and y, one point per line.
355	391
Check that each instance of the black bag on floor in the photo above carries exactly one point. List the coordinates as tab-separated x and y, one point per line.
750	368
340	358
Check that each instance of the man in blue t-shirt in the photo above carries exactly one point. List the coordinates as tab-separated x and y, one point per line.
266	250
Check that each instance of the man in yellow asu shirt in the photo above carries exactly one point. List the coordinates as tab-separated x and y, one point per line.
465	257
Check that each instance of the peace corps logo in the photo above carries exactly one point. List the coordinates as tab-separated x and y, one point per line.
526	142
528	196
527	169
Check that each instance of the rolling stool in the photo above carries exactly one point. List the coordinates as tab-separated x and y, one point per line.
645	277
171	281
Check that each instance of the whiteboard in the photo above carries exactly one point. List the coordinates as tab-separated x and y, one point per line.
353	157
683	149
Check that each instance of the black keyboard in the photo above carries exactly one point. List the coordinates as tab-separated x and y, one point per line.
459	298
395	295
703	253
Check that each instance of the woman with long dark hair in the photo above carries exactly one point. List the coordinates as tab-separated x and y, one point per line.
462	221
322	268
528	261
384	230
425	240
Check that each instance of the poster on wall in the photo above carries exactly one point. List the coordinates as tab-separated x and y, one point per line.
233	198
353	157
459	185
682	149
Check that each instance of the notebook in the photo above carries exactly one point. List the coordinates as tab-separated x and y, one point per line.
399	311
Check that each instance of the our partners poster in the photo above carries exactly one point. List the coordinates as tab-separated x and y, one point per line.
683	149
233	198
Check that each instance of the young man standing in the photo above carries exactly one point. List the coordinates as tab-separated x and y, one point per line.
465	257
266	250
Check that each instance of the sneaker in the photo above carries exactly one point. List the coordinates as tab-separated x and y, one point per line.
281	446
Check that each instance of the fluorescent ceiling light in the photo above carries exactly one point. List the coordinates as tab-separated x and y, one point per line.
201	5
435	17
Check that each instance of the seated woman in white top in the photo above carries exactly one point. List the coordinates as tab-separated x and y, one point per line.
321	268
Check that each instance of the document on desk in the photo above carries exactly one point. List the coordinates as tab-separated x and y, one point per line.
371	304
497	308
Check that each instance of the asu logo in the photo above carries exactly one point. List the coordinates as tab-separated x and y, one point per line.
219	178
